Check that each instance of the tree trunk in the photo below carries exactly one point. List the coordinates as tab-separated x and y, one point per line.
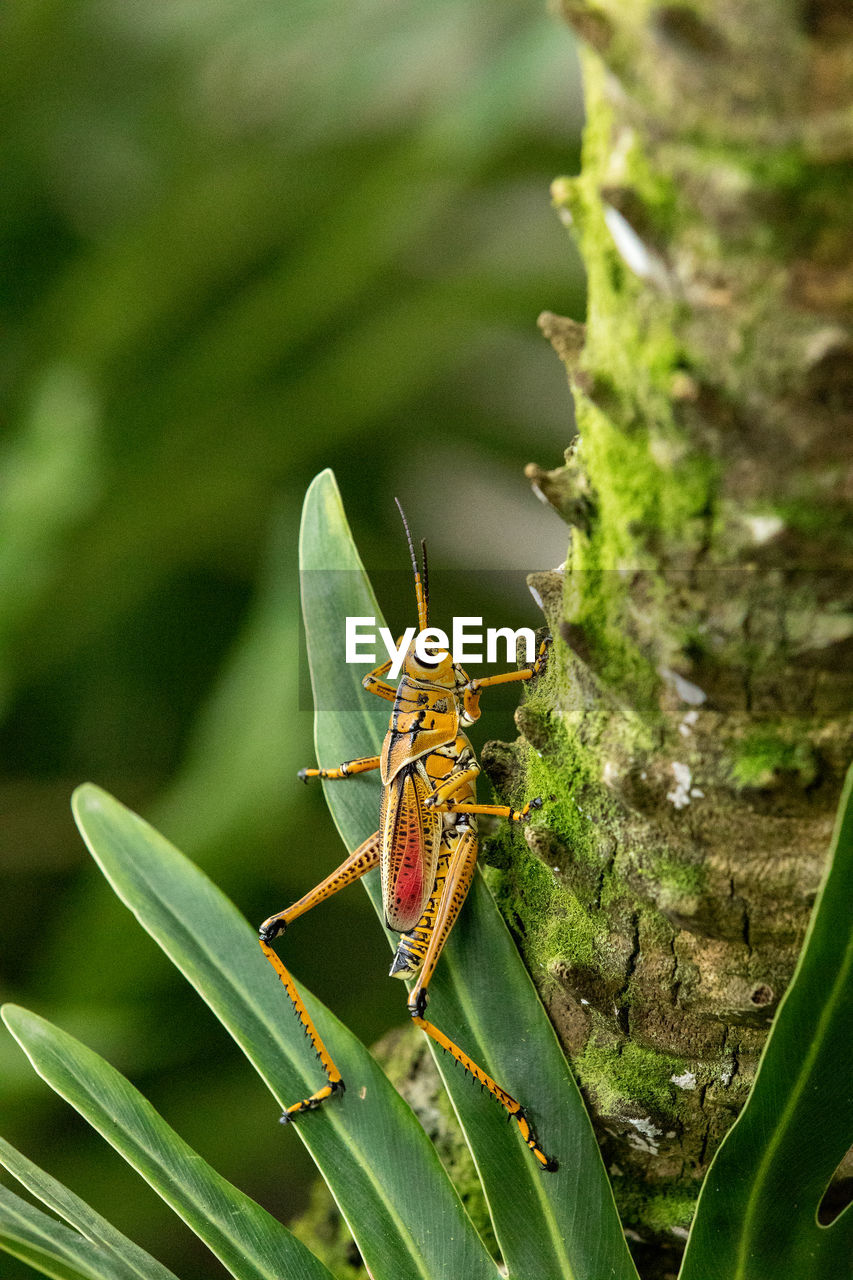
694	728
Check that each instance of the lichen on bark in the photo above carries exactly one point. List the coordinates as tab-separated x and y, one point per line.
695	723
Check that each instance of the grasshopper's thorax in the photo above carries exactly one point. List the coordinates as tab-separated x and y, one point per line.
427	712
425	716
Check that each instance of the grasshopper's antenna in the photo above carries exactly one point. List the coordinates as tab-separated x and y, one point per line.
426	579
422	607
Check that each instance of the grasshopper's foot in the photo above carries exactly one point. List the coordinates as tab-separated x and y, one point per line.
418	1002
542	657
272	929
311	1104
523	815
547	1163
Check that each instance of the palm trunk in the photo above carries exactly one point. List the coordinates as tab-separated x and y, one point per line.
695	727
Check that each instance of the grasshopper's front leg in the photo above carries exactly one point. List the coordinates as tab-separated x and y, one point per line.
346	770
374	683
353	868
454	794
473	689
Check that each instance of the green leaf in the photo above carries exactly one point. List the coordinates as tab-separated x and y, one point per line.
560	1226
48	1245
249	1242
384	1173
132	1262
757	1213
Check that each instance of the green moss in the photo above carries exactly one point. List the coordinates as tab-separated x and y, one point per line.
642	480
675	1209
656	931
761	756
651	502
655	190
612	892
626	1076
817	519
595	601
685	877
570	934
556	926
654	496
558	777
660	1211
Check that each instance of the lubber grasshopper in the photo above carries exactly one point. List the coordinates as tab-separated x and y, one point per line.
426	845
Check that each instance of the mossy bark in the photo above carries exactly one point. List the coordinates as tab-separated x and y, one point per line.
695	724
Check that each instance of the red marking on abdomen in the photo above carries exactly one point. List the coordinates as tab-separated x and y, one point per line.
405	889
408	889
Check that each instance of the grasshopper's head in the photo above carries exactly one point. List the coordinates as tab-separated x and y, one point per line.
430	669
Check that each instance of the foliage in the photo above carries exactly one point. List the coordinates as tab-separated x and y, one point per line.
239	240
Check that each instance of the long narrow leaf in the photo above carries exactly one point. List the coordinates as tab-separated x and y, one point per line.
561	1226
249	1242
132	1262
384	1173
49	1246
757	1213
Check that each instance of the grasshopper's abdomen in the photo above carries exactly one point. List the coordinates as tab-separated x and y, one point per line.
410	839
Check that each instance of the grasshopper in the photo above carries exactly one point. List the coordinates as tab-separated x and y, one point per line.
426	844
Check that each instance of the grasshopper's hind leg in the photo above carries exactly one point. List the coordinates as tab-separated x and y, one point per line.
514	1109
334	1080
460	872
365	857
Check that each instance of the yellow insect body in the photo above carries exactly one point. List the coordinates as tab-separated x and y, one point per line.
417	754
426	844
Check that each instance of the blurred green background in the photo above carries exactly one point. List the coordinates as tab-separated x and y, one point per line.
242	242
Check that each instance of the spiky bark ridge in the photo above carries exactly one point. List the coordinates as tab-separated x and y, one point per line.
695	725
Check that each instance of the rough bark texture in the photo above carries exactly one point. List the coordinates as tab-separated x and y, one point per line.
695	725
